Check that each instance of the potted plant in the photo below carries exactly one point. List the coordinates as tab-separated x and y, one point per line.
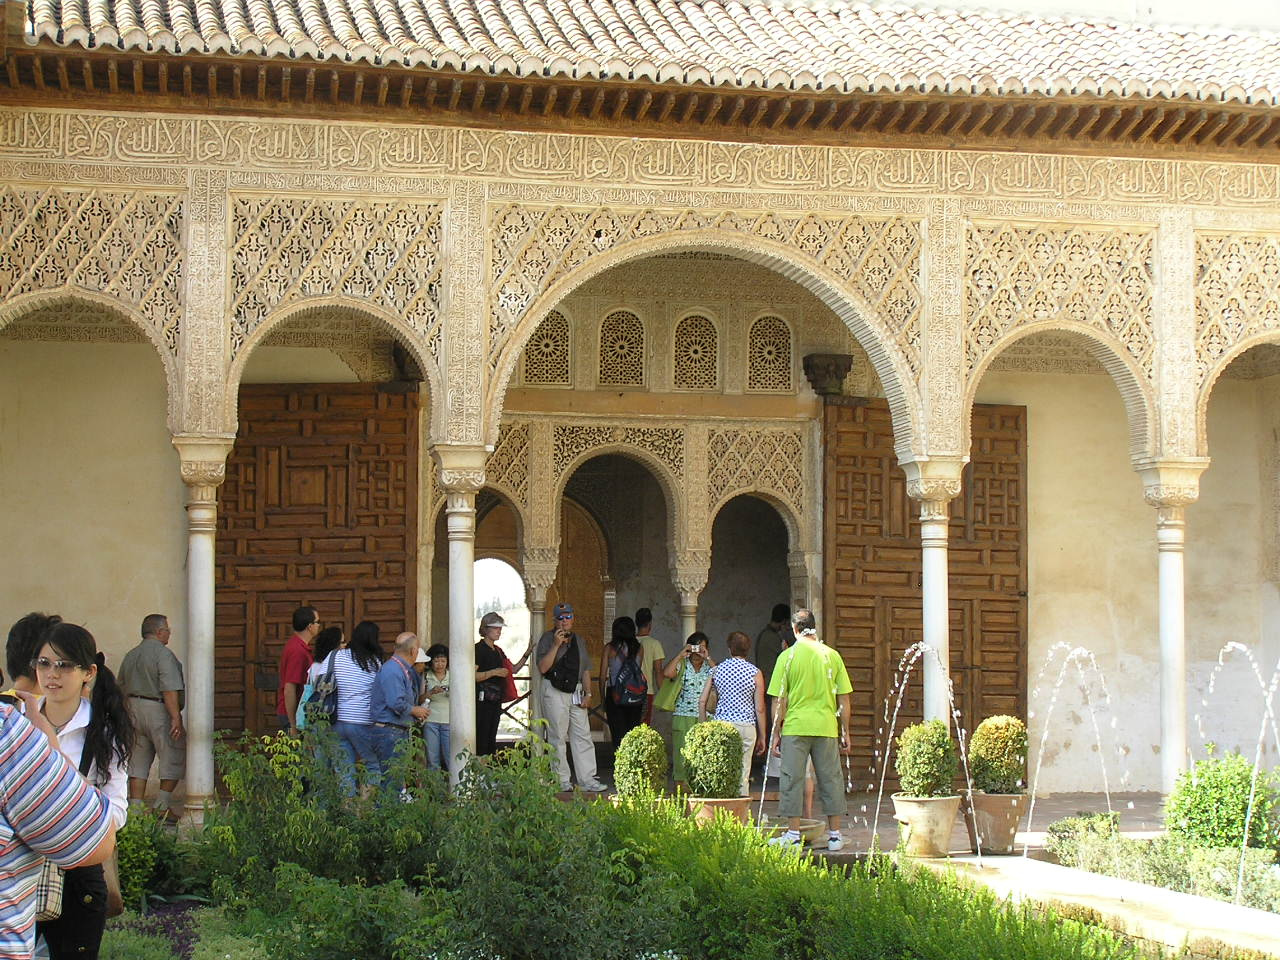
997	762
927	804
713	760
640	764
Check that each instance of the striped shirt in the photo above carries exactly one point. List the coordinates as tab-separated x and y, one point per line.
354	688
46	810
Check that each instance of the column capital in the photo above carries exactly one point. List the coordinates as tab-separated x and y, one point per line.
202	462
539	567
689	572
461	466
934	479
1169	482
826	372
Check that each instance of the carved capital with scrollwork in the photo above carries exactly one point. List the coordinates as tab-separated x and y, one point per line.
826	372
538	568
203	464
934	480
1171	482
689	572
461	467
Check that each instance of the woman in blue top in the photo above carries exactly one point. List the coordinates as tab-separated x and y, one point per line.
355	668
693	665
736	693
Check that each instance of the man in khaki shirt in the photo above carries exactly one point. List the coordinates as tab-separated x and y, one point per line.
151	676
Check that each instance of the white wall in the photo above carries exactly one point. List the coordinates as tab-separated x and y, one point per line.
1092	570
93	520
296	365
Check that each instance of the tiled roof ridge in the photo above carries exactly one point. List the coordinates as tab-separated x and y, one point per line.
850	46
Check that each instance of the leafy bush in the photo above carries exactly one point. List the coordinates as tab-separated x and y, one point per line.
713	758
998	755
926	760
640	763
123	943
1209	805
1094	843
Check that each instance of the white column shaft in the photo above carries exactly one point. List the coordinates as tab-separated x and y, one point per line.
202	514
1170	538
688	616
934	515
461	522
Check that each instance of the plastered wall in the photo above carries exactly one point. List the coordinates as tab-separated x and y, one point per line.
1092	570
93	520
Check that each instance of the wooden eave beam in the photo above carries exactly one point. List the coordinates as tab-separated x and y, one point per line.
117	79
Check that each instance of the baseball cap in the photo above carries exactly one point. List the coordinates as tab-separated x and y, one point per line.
563	610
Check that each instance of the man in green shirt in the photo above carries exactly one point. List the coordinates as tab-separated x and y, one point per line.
808	681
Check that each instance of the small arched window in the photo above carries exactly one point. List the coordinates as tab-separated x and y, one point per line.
546	355
769	356
696	362
622	350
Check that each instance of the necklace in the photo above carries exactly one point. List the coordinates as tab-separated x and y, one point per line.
57	727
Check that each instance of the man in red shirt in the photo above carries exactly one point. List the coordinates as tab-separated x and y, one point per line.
294	664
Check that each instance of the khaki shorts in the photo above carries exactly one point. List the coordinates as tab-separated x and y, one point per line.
151	741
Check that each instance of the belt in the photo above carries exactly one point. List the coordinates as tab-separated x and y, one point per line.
398	726
138	696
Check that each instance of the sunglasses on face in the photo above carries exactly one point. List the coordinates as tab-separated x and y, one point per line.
44	663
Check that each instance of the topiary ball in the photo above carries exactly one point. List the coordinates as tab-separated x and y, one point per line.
926	760
998	755
713	759
640	763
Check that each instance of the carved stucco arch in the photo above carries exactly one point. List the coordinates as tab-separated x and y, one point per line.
676	503
317	306
16	309
1125	372
786	512
872	334
1214	374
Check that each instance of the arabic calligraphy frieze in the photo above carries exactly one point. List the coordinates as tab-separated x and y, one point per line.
281	145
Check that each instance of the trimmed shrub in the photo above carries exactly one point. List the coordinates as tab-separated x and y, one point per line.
1064	838
1210	803
998	755
640	763
713	758
926	760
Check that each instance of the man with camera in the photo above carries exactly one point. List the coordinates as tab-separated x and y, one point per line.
566	700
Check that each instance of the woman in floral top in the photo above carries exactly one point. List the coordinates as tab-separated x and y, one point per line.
693	677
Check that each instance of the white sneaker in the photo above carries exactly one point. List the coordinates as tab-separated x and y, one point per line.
835	842
594	787
789	839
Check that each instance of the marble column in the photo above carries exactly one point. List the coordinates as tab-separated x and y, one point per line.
1171	486
689	575
203	463
461	477
540	565
935	483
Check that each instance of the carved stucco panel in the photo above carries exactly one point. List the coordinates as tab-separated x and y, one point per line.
363	249
748	458
1020	274
507	467
125	246
1237	293
206	404
534	247
1176	350
947	422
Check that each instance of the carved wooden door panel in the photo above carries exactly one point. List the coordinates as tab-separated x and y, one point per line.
873	572
318	508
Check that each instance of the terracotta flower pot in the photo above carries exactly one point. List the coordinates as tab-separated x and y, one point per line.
925	824
704	808
996	816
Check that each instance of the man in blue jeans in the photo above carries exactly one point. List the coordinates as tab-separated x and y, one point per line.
393	703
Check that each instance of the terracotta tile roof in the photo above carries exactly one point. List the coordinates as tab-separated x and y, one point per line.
792	44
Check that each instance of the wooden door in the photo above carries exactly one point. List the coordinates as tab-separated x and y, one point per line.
580	582
319	508
873	604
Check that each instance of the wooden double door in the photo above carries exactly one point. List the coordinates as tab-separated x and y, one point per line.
873	577
319	508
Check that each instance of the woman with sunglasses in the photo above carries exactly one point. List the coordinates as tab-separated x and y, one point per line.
88	711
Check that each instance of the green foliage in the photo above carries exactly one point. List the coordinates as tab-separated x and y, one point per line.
640	763
998	755
713	759
1208	807
124	943
504	870
1094	843
136	855
926	760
